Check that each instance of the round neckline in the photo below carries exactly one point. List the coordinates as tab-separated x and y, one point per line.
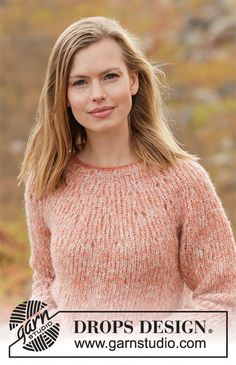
105	168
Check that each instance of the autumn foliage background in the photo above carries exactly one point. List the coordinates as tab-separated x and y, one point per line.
193	40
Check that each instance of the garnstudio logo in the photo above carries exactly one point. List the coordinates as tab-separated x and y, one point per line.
34	326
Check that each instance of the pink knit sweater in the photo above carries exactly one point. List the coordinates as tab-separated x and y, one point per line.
125	238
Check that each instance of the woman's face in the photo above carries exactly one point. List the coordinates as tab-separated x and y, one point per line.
99	78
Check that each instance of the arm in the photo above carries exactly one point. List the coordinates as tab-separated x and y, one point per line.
40	259
207	248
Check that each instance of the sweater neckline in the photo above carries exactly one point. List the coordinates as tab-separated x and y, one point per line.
126	167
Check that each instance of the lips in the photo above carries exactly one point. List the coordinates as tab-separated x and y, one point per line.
100	110
102	114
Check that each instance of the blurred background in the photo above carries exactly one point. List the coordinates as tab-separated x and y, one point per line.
193	40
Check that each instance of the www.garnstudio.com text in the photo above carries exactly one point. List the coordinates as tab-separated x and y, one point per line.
161	343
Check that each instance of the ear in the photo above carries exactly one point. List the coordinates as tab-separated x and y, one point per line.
134	82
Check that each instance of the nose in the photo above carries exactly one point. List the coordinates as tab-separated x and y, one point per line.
97	92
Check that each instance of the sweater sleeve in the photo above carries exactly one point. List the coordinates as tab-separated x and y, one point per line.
207	247
40	258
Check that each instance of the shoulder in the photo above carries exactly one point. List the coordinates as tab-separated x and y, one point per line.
190	181
29	190
183	175
196	188
190	174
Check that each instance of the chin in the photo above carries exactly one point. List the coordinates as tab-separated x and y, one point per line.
105	124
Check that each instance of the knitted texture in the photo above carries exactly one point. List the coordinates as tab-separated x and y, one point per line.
125	238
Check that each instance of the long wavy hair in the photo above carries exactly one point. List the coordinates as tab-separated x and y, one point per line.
56	134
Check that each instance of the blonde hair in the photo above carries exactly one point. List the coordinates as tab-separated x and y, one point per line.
56	131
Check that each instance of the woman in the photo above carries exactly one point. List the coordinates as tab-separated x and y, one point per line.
119	216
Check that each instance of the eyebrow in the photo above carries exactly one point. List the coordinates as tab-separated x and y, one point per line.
101	73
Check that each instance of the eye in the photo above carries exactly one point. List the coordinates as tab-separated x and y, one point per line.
78	82
113	76
81	82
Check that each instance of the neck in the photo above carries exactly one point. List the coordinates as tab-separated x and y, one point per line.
112	148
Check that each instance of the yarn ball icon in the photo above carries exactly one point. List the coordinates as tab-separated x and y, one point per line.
34	326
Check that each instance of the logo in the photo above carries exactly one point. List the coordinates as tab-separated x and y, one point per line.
34	326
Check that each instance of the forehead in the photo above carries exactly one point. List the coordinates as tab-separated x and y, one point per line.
98	56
